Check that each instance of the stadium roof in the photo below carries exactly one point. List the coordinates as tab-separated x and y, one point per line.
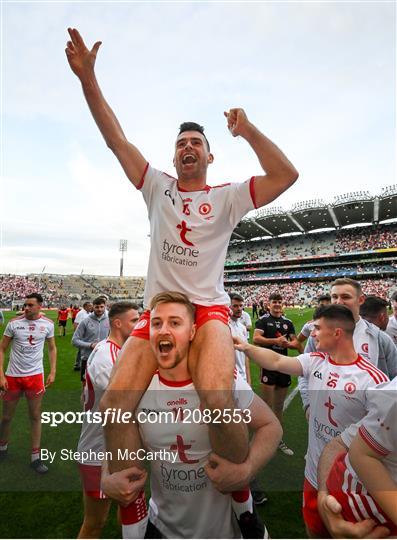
347	209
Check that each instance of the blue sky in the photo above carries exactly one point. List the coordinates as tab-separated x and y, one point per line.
317	78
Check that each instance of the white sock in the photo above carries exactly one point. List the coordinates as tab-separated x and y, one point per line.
240	506
3	446
35	454
135	530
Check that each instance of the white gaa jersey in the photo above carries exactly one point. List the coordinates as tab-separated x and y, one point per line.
307	328
190	233
184	503
99	367
379	430
239	330
27	346
392	328
337	400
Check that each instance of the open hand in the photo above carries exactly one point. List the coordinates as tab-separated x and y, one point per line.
81	59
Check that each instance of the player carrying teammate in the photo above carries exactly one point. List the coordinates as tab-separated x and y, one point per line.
337	378
191	224
190	494
25	372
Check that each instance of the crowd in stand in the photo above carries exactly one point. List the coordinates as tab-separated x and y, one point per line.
314	245
303	292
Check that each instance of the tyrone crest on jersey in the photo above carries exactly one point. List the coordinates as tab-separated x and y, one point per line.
184	229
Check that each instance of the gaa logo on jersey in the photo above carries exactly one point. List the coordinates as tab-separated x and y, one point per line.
350	388
364	347
140	324
42	328
285	326
265	379
205	209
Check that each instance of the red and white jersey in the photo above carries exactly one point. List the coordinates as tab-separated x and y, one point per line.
379	430
392	328
239	330
27	347
99	368
190	233
337	394
182	496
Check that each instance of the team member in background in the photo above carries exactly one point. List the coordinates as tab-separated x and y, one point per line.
195	495
81	315
364	480
62	318
243	366
275	332
371	343
27	335
123	317
254	310
246	320
74	311
238	329
191	225
392	324
374	310
90	332
323	300
338	378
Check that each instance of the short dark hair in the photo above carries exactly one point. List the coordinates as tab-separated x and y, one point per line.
337	313
98	301
36	295
86	304
275	296
372	306
235	296
324	298
193	126
118	308
393	297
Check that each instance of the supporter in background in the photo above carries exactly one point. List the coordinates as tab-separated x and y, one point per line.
81	315
90	332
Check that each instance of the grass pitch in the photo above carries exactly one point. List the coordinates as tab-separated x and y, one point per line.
32	506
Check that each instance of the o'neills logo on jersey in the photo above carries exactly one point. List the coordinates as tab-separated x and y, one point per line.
181	254
176	402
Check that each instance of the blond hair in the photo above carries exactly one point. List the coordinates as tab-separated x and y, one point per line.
173	297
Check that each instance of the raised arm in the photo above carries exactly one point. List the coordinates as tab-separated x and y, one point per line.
82	62
280	173
269	359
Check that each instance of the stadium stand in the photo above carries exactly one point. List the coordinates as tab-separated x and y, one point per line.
287	251
297	252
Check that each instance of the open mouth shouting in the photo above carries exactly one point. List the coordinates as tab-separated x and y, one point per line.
189	159
165	346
